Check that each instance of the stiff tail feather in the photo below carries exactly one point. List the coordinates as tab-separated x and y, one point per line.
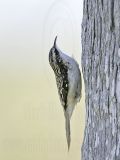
67	125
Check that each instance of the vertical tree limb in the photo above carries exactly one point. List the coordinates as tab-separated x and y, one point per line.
101	72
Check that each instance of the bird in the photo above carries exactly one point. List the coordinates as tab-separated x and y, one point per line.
69	83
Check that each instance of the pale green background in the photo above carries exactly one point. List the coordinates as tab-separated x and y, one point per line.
31	117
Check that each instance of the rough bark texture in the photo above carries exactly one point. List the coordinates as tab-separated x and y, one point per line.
101	72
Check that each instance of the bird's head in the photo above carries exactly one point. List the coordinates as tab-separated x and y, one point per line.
54	54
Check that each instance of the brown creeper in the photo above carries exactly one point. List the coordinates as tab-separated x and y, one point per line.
69	83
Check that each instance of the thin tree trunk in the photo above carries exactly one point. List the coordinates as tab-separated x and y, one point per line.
101	72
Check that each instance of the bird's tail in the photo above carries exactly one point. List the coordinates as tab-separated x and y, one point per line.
67	125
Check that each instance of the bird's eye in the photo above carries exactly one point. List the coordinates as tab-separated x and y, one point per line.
53	50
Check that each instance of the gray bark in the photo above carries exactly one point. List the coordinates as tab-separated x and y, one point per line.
101	72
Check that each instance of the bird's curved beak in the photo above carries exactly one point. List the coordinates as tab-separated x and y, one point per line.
55	42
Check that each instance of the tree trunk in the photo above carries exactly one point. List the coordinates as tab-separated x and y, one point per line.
101	72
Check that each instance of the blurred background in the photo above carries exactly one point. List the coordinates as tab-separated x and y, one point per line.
32	124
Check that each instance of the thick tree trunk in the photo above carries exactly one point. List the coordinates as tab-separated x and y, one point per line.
101	72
